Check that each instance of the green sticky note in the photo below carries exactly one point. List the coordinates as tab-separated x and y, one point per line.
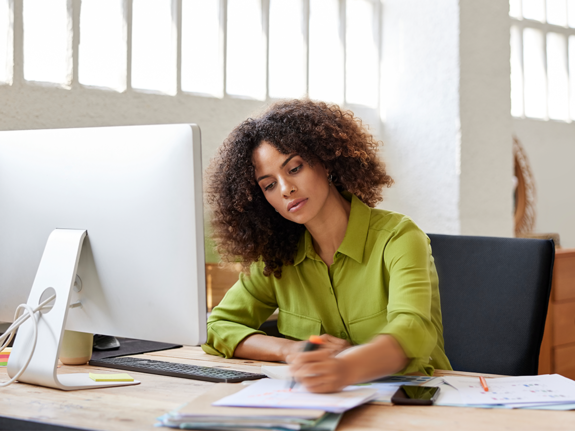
3	364
123	377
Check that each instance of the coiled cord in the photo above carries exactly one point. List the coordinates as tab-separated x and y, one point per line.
7	337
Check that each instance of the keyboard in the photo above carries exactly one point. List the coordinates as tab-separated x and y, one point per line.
185	371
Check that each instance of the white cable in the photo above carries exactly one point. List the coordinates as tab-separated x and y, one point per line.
10	332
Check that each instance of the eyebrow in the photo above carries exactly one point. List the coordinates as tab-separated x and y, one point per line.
283	165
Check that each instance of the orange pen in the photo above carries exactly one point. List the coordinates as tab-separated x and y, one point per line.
484	384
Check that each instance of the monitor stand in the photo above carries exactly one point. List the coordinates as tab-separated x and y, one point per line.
56	273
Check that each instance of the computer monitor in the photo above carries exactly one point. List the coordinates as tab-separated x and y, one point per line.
137	192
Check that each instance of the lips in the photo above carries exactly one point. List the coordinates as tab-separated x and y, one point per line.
296	204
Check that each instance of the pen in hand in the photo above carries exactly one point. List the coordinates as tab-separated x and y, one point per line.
312	344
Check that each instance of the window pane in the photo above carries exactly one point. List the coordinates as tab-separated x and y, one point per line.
246	62
102	58
47	41
572	75
287	63
571	13
516	73
326	53
557	78
153	46
515	9
557	12
534	73
534	9
361	53
202	53
5	42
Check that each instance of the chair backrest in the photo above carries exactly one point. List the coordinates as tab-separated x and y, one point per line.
494	298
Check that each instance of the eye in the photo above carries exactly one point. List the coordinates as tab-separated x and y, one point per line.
269	186
296	169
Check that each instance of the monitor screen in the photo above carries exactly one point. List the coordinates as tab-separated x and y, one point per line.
137	191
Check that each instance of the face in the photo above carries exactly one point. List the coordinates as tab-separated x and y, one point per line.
295	189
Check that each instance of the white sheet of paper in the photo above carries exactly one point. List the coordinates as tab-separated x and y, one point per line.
552	389
280	372
276	393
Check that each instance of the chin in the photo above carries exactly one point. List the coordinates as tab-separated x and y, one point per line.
300	218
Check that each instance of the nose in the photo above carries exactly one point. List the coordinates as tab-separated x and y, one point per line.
286	188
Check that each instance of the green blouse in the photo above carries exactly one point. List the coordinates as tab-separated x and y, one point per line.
382	281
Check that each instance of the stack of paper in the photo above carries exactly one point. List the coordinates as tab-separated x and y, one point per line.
386	386
201	414
270	393
553	392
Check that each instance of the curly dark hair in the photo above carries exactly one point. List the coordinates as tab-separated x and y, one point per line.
245	224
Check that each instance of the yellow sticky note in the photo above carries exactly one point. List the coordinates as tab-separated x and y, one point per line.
111	377
7	350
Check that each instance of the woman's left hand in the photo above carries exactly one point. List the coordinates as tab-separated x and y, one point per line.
319	371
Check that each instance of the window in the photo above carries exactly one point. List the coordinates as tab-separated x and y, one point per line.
246	56
542	63
259	49
47	42
362	59
202	54
154	46
326	54
102	56
287	52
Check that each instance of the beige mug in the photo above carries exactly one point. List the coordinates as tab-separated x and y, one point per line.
76	348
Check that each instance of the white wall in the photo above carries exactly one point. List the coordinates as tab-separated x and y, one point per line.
485	194
30	106
420	95
550	148
447	122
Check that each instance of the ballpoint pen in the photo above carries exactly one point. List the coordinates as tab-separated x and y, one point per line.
312	344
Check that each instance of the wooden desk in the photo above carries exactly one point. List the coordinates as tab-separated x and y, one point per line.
136	407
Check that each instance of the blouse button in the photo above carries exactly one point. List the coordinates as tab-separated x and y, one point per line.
343	334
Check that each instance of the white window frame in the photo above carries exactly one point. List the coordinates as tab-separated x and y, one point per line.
545	28
74	7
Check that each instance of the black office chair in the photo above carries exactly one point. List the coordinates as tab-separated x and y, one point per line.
494	298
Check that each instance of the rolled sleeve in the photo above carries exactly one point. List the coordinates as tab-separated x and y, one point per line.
240	313
407	258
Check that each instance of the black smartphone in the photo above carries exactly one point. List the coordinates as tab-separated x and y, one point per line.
415	395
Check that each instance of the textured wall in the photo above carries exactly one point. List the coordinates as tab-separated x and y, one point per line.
485	192
447	122
420	93
30	106
550	147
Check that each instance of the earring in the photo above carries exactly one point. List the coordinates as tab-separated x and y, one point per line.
329	179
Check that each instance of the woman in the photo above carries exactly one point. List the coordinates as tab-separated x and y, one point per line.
292	194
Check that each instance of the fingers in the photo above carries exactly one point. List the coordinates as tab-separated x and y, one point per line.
321	377
304	357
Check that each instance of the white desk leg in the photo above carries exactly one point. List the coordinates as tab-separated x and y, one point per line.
57	270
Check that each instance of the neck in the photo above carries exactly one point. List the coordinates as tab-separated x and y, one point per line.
329	226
